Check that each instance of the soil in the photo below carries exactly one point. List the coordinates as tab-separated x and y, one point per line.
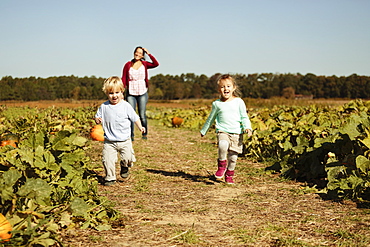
171	199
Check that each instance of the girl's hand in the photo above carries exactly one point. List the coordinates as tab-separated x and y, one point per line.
249	132
143	130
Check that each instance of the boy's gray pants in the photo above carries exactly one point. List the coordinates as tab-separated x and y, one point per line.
110	151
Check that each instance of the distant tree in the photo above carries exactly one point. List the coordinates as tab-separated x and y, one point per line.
331	87
288	93
184	86
157	94
211	87
197	91
6	92
75	93
179	91
309	85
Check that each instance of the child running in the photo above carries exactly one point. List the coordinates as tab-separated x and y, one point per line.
232	122
116	116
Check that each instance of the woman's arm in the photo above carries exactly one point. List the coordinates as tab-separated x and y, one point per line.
153	64
125	71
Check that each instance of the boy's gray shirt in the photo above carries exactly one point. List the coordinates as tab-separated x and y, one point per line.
117	120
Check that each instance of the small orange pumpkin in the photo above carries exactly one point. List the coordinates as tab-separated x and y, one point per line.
177	121
5	228
11	143
97	133
9	139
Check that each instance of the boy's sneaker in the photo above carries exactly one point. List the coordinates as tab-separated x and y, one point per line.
110	183
124	172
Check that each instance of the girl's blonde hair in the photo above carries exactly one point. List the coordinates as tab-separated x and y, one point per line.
112	83
225	77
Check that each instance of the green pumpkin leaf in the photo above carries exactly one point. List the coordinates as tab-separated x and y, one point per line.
34	140
363	164
79	207
7	181
10	177
37	189
103	227
65	219
366	142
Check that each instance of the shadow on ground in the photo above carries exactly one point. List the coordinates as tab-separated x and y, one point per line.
210	179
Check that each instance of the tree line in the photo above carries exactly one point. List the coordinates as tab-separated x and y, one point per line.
187	86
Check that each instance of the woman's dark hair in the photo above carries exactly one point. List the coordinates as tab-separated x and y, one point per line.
139	47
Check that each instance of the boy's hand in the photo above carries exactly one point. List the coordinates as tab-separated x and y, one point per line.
143	130
98	120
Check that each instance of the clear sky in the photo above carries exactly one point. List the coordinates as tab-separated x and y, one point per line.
45	38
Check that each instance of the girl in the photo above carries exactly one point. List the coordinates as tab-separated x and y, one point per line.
135	79
232	121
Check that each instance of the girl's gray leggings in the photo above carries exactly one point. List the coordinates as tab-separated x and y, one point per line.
224	153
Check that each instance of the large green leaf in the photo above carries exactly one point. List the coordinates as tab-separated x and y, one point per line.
363	164
34	140
37	189
7	182
79	207
366	142
10	177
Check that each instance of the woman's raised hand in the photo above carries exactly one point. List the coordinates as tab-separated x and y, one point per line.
146	50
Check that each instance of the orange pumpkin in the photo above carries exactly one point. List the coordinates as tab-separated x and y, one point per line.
5	228
177	121
11	143
9	139
97	133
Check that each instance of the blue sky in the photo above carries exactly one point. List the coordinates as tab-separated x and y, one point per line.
95	38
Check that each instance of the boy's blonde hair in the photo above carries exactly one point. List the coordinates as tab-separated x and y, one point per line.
113	83
225	77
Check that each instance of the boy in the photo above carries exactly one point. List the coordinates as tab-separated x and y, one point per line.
116	116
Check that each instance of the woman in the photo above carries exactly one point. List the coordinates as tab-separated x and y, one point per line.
135	80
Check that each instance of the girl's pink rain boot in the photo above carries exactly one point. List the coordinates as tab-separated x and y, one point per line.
229	177
221	169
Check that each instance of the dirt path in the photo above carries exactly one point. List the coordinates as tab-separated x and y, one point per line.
171	199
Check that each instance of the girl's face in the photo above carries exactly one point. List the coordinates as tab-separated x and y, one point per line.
226	89
115	96
138	54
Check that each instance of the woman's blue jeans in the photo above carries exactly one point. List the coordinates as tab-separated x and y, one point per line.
140	101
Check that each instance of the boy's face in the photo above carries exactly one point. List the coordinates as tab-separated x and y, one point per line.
115	96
